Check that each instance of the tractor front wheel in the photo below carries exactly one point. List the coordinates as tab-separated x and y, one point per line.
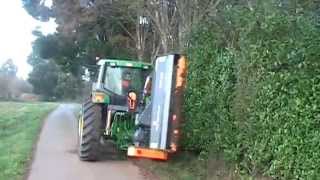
90	131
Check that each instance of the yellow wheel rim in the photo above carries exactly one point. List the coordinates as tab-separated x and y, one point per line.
80	128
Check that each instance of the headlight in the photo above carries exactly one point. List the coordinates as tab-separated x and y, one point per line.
98	97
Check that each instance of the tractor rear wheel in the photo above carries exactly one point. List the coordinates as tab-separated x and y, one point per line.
90	131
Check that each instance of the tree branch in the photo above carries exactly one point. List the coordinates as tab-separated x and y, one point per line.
126	30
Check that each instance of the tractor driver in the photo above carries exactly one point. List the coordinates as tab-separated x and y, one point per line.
126	81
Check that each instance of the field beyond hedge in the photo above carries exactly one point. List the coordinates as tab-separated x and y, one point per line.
20	124
254	91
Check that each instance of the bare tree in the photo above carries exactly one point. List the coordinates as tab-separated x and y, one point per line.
191	13
130	16
164	15
174	19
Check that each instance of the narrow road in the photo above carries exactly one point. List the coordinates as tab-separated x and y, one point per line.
56	154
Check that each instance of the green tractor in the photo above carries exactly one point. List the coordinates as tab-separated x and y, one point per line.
126	108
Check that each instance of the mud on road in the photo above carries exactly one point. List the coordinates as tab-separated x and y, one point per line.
56	156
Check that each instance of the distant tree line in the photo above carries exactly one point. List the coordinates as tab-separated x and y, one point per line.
52	83
12	87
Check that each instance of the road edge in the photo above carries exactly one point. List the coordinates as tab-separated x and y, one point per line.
28	166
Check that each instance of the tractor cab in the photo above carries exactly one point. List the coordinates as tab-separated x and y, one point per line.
117	79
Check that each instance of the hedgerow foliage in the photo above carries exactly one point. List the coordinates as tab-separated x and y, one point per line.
254	91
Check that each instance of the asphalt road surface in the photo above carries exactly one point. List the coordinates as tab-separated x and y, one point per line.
56	154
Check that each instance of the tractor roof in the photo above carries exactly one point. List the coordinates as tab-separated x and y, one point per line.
125	63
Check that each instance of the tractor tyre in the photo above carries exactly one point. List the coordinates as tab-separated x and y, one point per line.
90	131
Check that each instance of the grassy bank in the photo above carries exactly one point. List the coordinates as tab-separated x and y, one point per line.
181	167
19	124
188	166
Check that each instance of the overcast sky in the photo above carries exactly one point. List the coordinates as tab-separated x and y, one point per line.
16	34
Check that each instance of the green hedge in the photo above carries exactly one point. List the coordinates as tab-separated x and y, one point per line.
254	92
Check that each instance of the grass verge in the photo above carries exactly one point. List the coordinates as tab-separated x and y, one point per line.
20	124
183	166
187	166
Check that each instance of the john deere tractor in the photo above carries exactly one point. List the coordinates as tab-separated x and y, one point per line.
136	105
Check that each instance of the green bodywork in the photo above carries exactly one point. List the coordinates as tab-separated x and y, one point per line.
123	128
